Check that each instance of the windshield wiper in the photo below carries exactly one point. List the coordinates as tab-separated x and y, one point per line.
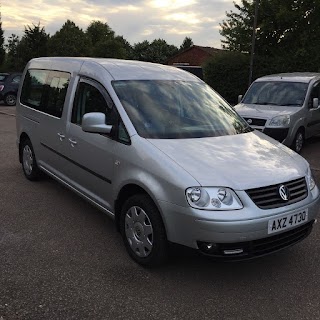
267	103
290	104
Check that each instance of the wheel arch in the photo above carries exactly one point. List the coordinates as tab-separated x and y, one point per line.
125	193
23	137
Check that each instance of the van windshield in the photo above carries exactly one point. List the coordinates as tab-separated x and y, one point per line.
276	93
163	109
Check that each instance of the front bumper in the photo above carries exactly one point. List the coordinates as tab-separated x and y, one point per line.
196	228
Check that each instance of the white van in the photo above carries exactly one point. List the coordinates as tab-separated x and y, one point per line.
284	106
159	151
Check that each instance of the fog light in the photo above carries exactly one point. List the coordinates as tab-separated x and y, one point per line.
233	251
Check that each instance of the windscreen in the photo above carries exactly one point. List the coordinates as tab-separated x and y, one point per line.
3	77
177	109
276	93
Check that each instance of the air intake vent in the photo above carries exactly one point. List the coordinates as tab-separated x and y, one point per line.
269	197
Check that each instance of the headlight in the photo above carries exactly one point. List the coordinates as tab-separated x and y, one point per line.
311	180
280	121
213	198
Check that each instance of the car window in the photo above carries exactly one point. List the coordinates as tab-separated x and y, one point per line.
315	93
164	109
89	98
3	77
16	79
57	89
45	90
279	93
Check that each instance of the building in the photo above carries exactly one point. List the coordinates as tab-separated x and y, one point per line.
193	56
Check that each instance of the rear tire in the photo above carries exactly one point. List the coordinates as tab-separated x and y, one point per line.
28	161
298	141
143	232
10	99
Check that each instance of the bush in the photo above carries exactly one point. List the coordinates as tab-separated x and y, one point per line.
228	74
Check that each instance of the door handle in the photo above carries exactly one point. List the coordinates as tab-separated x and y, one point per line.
61	136
73	142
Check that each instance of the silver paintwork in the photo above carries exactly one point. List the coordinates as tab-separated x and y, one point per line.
300	117
164	169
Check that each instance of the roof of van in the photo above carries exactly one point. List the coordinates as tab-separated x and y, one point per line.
121	69
291	77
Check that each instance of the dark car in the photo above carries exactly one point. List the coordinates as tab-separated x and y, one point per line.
9	84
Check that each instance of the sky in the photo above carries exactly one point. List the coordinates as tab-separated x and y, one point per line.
135	20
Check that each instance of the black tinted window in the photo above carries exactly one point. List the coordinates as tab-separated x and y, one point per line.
90	99
33	89
45	90
16	79
57	89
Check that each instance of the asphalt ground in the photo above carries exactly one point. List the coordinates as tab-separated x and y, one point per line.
61	258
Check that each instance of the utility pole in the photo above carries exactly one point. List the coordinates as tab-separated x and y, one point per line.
253	42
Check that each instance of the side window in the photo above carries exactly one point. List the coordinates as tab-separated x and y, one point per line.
16	79
45	90
57	89
90	99
315	93
123	135
33	90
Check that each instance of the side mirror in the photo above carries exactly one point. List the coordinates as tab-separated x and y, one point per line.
240	98
315	103
95	122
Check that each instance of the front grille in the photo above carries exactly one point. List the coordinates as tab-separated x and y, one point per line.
282	240
269	197
278	134
260	247
256	122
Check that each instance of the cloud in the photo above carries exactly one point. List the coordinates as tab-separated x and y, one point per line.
136	20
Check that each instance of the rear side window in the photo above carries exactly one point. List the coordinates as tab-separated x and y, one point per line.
45	90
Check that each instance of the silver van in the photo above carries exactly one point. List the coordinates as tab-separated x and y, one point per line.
284	106
165	156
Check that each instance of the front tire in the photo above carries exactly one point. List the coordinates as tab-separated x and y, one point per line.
143	231
10	99
298	141
28	161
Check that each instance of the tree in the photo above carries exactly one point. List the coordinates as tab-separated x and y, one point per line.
157	51
140	51
287	35
98	31
187	43
227	73
109	48
284	27
69	41
105	44
13	61
33	44
2	50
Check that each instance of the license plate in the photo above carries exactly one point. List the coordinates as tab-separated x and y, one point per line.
287	222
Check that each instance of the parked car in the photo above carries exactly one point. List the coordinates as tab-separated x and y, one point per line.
9	84
284	106
165	156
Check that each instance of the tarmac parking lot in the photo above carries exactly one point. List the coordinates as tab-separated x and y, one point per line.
61	258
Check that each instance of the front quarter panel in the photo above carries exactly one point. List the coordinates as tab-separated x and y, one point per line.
144	165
